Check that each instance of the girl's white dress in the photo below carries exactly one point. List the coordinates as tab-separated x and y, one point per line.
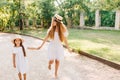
55	47
21	63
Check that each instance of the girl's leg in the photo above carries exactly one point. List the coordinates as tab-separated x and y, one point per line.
24	76
20	76
57	62
50	63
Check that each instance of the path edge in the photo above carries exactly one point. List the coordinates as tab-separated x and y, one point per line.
102	60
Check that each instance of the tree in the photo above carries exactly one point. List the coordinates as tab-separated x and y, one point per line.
71	10
47	11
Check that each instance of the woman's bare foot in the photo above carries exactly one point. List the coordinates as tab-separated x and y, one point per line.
49	67
56	76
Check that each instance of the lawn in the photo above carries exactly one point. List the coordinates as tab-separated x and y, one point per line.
102	43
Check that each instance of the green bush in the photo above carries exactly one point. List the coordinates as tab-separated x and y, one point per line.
107	18
90	19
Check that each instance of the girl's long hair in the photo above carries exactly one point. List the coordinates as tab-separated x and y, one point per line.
61	30
23	49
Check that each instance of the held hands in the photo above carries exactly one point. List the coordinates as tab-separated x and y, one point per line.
31	48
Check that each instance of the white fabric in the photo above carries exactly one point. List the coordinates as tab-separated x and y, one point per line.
21	61
55	48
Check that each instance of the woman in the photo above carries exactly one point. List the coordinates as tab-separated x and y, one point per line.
57	33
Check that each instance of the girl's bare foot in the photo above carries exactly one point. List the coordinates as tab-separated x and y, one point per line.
49	67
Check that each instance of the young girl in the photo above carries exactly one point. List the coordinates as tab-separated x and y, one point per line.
57	33
19	58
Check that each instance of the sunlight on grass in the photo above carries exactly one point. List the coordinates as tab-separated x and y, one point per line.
86	45
106	53
102	43
74	44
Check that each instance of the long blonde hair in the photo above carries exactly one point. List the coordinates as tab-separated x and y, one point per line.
61	30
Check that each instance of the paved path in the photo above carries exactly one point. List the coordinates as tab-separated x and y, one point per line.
73	67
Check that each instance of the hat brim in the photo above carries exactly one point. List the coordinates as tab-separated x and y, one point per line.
57	20
17	38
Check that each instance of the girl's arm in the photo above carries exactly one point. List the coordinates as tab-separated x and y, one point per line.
14	56
66	43
46	38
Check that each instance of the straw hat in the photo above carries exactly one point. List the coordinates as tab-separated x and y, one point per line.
18	37
58	17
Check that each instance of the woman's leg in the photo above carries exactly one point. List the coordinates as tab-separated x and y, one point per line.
50	63
57	62
20	76
24	76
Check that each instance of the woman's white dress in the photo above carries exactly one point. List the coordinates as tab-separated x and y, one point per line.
55	48
21	63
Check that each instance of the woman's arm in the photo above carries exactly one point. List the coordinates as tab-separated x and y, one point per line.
66	43
46	38
14	64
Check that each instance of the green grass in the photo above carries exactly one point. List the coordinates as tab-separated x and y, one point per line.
102	43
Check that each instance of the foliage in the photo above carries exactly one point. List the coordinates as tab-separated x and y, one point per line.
39	12
47	11
107	18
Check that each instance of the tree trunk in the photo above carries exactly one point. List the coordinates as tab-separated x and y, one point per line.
117	20
34	22
26	22
21	24
69	22
2	26
12	25
42	23
82	22
97	19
